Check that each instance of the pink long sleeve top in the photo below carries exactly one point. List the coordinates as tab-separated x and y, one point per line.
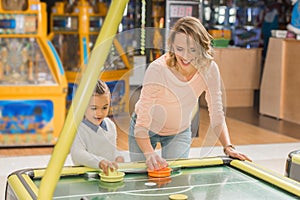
166	103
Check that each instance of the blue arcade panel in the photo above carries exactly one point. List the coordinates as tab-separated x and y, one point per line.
25	121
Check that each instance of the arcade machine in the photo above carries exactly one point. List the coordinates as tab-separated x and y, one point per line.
218	17
175	9
32	80
163	16
74	29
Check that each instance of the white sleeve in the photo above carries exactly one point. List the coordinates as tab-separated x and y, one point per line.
79	153
214	96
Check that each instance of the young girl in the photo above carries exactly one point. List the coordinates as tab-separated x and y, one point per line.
172	85
95	143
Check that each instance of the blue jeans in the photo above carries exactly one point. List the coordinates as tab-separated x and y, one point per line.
173	147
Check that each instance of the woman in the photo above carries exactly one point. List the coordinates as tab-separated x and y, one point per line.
172	85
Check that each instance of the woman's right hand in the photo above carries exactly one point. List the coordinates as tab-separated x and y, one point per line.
155	162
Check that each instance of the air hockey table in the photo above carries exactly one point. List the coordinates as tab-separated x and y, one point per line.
292	167
203	178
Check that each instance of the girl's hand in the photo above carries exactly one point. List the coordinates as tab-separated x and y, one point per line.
230	151
106	165
155	162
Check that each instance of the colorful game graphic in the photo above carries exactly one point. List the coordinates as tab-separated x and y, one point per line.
26	121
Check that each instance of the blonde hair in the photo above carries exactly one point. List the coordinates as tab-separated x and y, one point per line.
192	27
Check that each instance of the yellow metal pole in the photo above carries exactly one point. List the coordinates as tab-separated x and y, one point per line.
81	99
122	54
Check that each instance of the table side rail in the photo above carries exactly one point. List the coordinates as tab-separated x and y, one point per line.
192	162
67	171
268	176
22	186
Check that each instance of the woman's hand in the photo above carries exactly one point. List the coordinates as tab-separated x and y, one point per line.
120	159
106	165
155	162
230	151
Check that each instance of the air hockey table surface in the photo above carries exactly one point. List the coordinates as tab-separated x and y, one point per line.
203	178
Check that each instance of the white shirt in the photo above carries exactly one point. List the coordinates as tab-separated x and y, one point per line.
94	143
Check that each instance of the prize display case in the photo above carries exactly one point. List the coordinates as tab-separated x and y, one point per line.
74	28
32	80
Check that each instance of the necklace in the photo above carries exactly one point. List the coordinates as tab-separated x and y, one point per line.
187	75
182	75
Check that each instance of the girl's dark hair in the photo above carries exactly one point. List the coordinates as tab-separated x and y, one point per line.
101	88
